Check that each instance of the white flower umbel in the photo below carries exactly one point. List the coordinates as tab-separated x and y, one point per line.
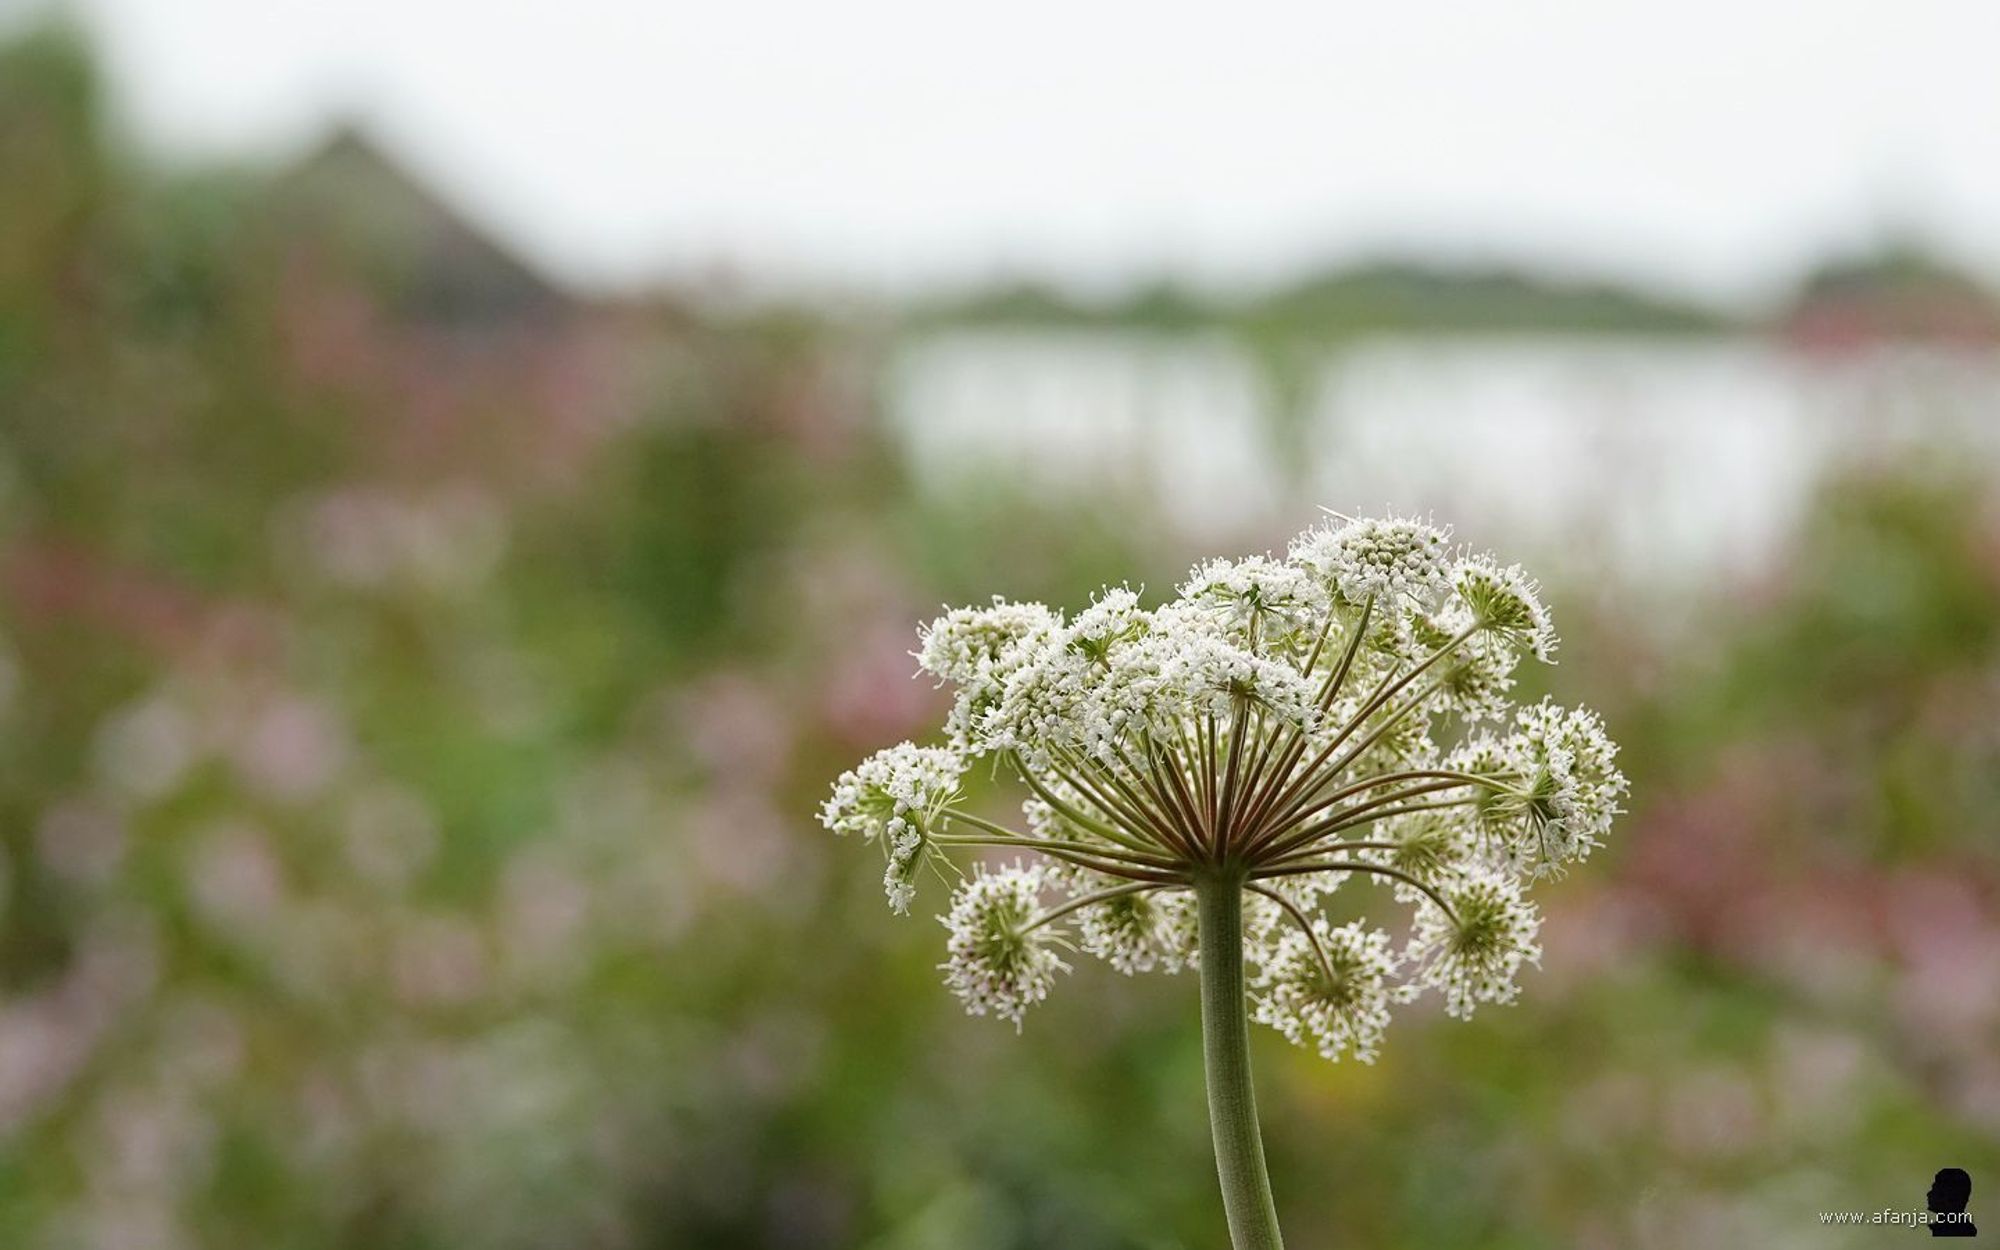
966	645
1474	954
1567	788
1507	602
1427	849
977	649
892	796
1258	600
1392	557
999	961
1140	931
1331	986
901	780
1198	777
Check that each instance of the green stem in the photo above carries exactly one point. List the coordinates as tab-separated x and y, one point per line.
1232	1100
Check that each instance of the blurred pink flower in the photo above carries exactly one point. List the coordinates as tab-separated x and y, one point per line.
1949	948
739	840
290	749
147	748
235	878
874	694
737	726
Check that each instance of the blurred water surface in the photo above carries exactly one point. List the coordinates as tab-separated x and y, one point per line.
1654	457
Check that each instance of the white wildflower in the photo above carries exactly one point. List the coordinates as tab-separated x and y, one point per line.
1112	618
1345	711
1119	675
1209	677
1341	1002
1477	959
903	781
965	644
1567	789
1506	602
892	796
1037	706
998	963
1475	678
899	877
1388	559
1432	847
1133	696
1258	600
1081	688
1141	931
1486	756
976	649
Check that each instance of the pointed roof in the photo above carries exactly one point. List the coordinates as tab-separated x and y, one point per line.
432	261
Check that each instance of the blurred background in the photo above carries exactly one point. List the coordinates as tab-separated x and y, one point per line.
469	478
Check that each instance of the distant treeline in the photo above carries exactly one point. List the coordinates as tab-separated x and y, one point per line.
1406	295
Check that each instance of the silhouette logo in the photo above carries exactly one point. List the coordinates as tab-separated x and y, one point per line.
1950	1191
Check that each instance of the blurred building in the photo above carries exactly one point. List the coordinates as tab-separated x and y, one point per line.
1900	295
463	345
367	213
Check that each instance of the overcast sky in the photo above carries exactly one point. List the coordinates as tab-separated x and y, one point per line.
1713	145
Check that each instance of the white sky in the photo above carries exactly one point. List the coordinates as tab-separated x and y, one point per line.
1713	145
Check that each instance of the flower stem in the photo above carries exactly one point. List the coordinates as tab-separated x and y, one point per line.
1232	1100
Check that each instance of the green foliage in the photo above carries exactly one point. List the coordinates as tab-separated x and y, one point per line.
406	775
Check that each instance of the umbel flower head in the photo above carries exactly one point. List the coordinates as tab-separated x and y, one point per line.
1282	725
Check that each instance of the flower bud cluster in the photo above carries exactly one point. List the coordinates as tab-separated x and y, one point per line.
1391	558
